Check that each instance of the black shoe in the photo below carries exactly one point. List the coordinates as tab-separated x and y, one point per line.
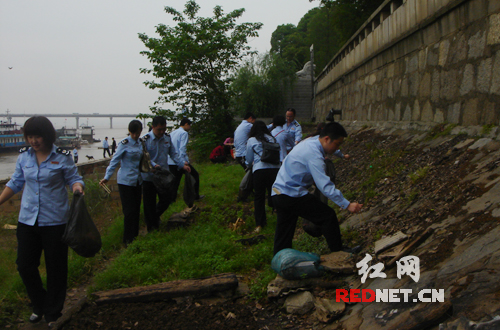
35	318
52	318
353	250
199	198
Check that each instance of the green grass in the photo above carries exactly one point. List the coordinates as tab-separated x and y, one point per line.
205	248
419	174
486	129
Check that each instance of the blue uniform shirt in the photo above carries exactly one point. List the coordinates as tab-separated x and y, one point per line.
303	166
129	153
241	138
105	144
295	130
284	139
159	149
253	153
179	141
45	196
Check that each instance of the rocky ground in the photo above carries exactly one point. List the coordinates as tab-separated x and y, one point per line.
443	183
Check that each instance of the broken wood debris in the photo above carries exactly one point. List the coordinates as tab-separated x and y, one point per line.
168	290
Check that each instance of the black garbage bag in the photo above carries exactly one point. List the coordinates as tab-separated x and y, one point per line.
163	180
81	234
246	185
189	192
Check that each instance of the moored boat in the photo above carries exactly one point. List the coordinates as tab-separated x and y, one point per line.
11	137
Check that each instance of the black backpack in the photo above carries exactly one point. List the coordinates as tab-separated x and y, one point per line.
270	152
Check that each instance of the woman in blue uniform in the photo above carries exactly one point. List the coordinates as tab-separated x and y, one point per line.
43	170
264	173
129	179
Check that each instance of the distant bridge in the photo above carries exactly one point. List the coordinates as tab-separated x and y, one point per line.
10	115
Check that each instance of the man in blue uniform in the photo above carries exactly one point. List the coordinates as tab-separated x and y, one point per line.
293	128
180	138
159	146
241	137
303	166
105	147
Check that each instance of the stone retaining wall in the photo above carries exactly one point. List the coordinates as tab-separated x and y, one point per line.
430	61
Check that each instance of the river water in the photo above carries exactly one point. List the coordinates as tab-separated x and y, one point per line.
119	132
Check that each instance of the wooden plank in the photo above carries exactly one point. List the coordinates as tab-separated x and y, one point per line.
411	246
387	242
168	290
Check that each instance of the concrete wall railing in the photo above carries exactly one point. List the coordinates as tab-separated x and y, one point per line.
89	171
419	60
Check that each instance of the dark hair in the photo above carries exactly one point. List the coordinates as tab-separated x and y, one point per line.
135	126
40	126
185	121
279	120
292	110
333	130
249	115
258	130
318	130
158	120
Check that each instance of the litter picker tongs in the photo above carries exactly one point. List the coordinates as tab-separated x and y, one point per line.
106	188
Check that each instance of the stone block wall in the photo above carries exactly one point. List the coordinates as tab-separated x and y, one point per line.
89	171
444	67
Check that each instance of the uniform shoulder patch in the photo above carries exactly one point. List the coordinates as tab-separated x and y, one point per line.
63	151
23	149
124	141
297	124
145	137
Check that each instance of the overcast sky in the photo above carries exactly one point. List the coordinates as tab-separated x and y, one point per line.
83	56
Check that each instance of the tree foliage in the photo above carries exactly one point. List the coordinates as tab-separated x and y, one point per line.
192	64
261	85
327	27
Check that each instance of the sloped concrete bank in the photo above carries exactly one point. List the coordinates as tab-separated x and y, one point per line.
443	182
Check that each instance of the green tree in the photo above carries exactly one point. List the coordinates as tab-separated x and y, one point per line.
193	61
327	27
261	84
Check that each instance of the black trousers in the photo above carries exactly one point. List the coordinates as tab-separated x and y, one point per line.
104	152
178	175
309	207
263	180
31	240
152	209
131	206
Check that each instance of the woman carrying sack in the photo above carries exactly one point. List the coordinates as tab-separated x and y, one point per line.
43	170
264	173
128	153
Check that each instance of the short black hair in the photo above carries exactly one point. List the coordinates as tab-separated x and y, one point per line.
333	130
292	110
158	120
185	121
249	115
40	126
135	126
279	120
